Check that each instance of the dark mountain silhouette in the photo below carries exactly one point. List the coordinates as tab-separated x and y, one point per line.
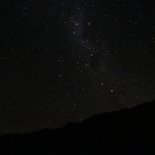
129	131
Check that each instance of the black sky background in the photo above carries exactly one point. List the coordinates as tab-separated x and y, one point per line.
63	60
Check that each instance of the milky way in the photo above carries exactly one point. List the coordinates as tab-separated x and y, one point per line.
95	53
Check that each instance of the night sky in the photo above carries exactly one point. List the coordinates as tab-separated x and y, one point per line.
65	60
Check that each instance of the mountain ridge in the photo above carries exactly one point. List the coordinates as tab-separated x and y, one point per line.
129	131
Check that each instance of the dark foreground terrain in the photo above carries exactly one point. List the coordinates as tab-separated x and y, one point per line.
129	131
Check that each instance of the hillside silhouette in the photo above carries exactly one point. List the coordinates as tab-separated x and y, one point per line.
129	131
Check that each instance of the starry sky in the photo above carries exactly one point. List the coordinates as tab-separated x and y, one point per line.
65	60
